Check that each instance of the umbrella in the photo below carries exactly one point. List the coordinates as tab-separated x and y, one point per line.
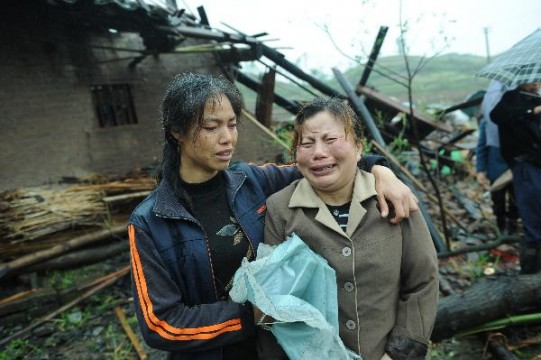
297	288
521	64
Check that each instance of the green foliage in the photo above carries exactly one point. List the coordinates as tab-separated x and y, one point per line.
400	144
117	344
62	279
475	270
75	318
367	148
19	349
285	133
438	352
379	118
132	321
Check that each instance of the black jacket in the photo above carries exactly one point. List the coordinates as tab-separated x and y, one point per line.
519	127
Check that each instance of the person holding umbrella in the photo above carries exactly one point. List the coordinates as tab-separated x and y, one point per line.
490	165
518	116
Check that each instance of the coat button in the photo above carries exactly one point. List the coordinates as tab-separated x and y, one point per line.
346	251
350	324
349	286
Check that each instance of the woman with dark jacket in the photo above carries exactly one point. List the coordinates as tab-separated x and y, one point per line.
188	237
518	116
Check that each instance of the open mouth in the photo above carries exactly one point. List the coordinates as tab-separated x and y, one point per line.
224	155
323	170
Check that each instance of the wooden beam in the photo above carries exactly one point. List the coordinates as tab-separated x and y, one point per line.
265	98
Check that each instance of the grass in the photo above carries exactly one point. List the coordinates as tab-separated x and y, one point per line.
20	349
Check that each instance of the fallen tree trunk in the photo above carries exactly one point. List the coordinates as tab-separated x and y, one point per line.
489	299
82	257
56	250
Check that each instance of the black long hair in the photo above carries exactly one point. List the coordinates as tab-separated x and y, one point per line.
182	110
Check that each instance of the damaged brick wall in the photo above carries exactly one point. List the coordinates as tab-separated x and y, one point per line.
49	125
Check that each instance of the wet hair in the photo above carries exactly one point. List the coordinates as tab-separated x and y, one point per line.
339	108
183	108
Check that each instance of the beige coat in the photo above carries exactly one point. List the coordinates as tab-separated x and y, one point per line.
386	274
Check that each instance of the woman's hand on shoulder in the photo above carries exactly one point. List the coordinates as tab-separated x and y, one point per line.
393	194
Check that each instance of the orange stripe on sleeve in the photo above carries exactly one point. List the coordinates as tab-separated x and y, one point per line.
161	327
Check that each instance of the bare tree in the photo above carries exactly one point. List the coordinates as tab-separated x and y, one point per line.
406	80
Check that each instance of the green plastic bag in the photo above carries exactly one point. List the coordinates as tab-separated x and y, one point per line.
297	288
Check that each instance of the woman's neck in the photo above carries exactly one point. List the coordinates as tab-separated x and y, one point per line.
192	176
338	197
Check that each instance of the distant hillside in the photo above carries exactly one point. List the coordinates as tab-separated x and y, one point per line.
446	80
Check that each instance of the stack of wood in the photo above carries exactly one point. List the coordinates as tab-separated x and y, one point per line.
61	227
39	218
31	213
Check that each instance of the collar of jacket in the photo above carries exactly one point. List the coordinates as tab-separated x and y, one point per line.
167	205
364	187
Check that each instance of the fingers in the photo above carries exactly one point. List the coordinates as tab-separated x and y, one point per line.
413	203
401	211
260	318
383	207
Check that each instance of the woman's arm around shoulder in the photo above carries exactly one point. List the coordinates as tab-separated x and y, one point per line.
393	194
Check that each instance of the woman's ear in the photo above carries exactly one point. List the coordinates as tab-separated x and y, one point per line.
177	136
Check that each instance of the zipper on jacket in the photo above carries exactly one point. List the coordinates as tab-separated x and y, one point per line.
250	243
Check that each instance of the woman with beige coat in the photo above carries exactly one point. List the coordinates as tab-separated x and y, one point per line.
386	273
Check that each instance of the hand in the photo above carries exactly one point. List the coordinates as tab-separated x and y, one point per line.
261	318
258	314
537	110
391	189
386	357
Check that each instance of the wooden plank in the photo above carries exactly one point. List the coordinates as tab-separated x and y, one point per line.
131	335
378	102
265	98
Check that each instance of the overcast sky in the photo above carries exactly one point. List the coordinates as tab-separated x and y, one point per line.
353	24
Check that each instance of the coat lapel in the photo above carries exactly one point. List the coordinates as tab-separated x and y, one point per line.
304	196
363	188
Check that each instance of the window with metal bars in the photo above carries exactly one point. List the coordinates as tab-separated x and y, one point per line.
113	104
